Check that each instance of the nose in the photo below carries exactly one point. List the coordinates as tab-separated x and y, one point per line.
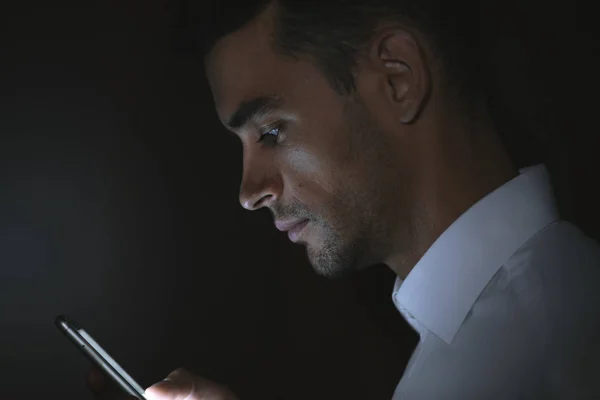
261	182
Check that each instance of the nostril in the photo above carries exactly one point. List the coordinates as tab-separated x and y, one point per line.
254	204
262	201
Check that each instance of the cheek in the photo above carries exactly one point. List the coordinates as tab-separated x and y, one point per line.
303	162
310	179
308	171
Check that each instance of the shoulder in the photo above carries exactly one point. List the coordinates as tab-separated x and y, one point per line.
555	278
559	266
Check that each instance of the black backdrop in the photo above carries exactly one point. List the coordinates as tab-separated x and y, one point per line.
115	211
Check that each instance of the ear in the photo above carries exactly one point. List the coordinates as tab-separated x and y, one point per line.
397	55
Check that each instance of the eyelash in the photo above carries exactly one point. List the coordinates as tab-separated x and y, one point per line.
267	137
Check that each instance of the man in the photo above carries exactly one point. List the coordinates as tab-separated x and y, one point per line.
366	133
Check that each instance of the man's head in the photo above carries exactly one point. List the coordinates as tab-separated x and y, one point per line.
346	114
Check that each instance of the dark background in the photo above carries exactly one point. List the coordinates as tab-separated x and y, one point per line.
118	207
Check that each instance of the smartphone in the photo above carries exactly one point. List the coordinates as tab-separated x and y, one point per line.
99	357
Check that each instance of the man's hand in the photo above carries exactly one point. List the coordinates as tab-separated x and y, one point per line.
182	385
178	385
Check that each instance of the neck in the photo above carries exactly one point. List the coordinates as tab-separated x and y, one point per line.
460	168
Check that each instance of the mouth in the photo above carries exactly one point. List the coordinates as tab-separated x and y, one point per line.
293	228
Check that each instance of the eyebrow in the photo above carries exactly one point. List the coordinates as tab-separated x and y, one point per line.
253	109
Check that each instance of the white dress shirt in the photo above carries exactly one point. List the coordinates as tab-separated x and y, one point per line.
506	303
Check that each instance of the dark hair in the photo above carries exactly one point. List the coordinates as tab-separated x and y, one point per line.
334	32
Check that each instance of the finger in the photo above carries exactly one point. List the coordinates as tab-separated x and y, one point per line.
178	385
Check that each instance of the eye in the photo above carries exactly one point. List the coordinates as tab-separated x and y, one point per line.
270	135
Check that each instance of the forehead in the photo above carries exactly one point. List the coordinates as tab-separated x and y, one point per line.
243	66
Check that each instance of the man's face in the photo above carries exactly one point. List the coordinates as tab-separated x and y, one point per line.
316	159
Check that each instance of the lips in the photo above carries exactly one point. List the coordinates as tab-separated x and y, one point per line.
293	228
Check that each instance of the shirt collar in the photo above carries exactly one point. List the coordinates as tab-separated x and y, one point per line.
443	286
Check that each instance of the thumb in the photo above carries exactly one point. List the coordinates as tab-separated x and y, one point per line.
178	385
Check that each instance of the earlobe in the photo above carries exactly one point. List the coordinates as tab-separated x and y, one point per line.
408	112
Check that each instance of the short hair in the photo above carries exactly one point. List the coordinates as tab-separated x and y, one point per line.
334	32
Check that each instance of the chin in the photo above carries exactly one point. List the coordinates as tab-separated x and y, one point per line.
331	254
329	265
330	273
